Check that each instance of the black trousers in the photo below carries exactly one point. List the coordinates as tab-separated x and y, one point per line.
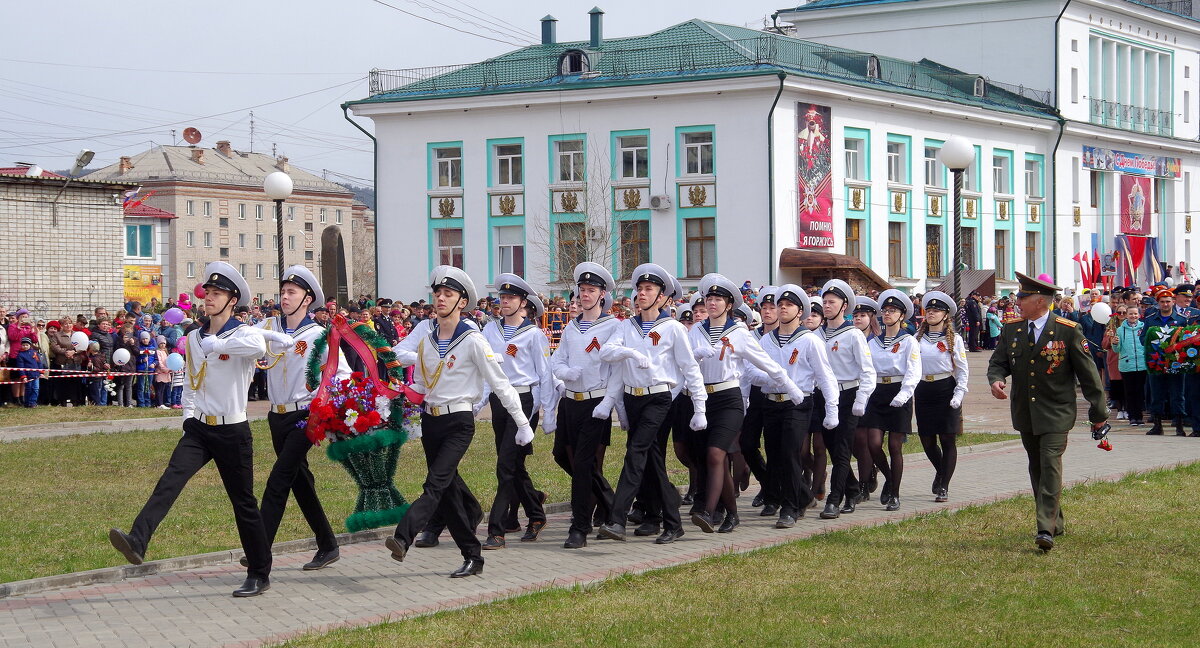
291	473
751	440
645	459
445	440
581	436
1135	393
231	448
785	433
838	441
512	479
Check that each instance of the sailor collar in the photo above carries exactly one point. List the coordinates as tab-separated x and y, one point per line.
304	323
730	325
604	317
662	315
830	334
797	334
460	332
230	325
882	339
521	328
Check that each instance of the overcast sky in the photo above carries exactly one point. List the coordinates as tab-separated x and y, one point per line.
117	77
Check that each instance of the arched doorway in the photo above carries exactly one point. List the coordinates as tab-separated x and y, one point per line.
333	265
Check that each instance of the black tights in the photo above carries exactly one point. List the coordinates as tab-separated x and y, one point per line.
720	483
944	459
864	456
681	453
895	472
815	461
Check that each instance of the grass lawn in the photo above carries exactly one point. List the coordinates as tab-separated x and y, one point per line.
65	493
1124	575
44	415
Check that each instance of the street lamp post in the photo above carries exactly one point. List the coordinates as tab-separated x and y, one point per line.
278	186
957	154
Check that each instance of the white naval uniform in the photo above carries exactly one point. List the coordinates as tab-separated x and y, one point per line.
850	358
898	359
406	349
937	363
525	360
677	368
804	359
579	350
287	381
228	370
460	385
736	348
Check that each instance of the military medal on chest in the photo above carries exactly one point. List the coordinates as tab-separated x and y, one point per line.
1054	352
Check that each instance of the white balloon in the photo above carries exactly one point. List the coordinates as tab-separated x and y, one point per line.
79	340
1101	312
1169	281
121	356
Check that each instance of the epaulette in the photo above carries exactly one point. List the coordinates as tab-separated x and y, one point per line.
1066	322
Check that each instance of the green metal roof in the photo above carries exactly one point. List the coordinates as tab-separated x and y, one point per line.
697	50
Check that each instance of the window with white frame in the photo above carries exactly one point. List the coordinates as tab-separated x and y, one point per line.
258	212
274	241
291	241
337	216
258	271
450	247
208	239
508	164
189	238
510	250
207	208
634	155
291	213
274	270
698	153
970	178
258	241
241	211
933	168
324	215
241	240
1033	180
448	161
897	162
191	269
188	208
856	158
242	269
1001	169
569	160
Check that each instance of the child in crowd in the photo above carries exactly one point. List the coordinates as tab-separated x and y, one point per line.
124	396
162	375
147	363
29	362
98	365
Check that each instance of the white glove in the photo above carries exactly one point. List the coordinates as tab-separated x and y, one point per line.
281	338
524	435
549	425
831	420
956	401
603	410
643	360
622	419
703	351
858	409
478	407
570	373
796	395
898	401
208	344
698	422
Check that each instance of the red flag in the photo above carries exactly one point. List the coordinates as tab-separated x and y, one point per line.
1086	269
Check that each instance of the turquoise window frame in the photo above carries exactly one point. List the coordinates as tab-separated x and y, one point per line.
906	219
945	172
681	236
864	215
491	158
430	161
614	146
555	221
441	224
1041	179
625	217
503	221
142	239
906	140
1012	160
552	156
680	131
864	134
977	166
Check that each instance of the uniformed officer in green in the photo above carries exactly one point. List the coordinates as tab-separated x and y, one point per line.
1045	355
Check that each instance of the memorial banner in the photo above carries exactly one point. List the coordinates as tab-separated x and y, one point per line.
814	195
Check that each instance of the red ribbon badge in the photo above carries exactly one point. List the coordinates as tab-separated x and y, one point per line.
301	347
941	347
896	348
835	346
511	350
795	354
594	346
654	337
725	345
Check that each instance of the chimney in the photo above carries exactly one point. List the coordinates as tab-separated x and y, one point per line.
548	29
125	165
597	26
282	165
198	155
224	149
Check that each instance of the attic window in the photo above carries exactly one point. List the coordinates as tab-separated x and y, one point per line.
979	86
573	62
873	67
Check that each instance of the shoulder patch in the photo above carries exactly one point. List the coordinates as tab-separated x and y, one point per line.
1066	322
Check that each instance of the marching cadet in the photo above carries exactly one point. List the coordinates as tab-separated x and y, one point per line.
655	357
802	356
938	398
866	319
722	346
453	362
290	396
1043	403
855	372
897	358
592	389
220	363
752	425
525	354
813	453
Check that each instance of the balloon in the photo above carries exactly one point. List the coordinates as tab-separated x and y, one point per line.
79	340
1169	281
1045	277
121	356
181	346
198	291
1101	312
173	315
175	362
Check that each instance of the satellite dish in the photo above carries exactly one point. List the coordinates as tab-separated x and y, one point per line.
191	135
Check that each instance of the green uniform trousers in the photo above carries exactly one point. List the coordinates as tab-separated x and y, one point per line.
1045	453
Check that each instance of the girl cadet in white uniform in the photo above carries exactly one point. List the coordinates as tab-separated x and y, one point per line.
723	346
802	356
855	373
938	399
525	359
897	358
591	386
751	437
814	455
655	357
866	319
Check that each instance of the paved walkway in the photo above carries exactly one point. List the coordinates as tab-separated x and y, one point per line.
193	607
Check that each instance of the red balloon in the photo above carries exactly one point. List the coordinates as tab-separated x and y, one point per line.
198	291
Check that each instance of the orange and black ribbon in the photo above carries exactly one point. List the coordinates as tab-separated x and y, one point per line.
594	346
725	344
511	350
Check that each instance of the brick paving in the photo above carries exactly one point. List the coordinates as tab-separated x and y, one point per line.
192	607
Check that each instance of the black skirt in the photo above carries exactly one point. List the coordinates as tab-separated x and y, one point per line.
724	414
931	402
881	415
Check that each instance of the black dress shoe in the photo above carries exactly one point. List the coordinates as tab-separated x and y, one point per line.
687	500
323	559
937	483
611	532
893	504
636	516
533	531
397	547
873	481
493	542
757	501
886	495
597	518
831	512
123	543
848	507
704	521
512	526
646	529
1044	541
942	495
470	567
785	522
426	539
731	522
575	540
668	537
252	587
769	510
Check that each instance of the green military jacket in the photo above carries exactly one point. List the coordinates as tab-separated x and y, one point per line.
1044	375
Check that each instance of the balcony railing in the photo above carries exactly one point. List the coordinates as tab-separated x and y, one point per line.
1134	118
